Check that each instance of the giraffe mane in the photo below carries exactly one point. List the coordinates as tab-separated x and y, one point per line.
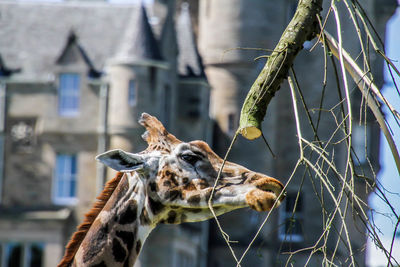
77	238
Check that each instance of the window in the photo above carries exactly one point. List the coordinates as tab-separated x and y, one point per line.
132	93
2	128
68	94
65	179
166	109
152	78
35	255
184	259
231	123
1	166
291	219
194	106
14	254
360	137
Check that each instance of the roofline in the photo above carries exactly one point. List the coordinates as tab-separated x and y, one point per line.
194	80
140	62
11	80
38	215
71	3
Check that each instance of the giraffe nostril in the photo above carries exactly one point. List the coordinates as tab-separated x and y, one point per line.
261	200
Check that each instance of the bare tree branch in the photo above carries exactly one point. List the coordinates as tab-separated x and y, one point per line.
302	27
358	75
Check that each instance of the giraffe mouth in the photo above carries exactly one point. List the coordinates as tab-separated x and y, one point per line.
276	190
265	196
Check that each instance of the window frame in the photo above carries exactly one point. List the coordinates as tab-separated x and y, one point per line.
68	177
26	252
360	139
297	215
132	93
232	123
69	90
6	251
166	108
184	259
2	150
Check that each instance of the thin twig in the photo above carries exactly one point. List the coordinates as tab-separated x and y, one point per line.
223	233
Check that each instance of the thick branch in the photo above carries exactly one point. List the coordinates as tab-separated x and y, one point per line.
302	27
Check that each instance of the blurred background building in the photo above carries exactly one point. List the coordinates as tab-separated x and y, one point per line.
76	75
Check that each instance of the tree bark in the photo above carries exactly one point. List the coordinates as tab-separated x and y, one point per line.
302	27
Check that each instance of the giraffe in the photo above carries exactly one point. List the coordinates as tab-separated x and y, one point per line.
168	183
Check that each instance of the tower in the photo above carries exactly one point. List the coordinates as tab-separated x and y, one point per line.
193	89
229	34
133	80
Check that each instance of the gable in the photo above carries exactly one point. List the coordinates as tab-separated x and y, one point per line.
73	53
33	35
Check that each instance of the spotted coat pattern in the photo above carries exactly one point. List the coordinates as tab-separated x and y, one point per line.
168	183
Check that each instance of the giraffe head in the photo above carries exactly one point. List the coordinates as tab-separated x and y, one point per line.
170	182
178	178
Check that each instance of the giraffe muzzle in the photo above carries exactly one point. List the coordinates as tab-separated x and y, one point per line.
268	192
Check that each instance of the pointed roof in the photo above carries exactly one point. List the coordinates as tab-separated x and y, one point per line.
39	39
73	46
139	44
189	60
168	42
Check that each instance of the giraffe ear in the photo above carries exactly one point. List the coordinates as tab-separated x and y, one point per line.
122	161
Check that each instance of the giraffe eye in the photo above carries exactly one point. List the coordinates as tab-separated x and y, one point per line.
190	158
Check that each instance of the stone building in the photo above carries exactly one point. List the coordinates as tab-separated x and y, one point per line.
231	72
74	79
75	76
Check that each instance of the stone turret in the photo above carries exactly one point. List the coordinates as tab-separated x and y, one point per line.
193	87
133	79
168	78
223	26
226	29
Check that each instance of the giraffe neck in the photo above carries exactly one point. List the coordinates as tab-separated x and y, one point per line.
116	236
